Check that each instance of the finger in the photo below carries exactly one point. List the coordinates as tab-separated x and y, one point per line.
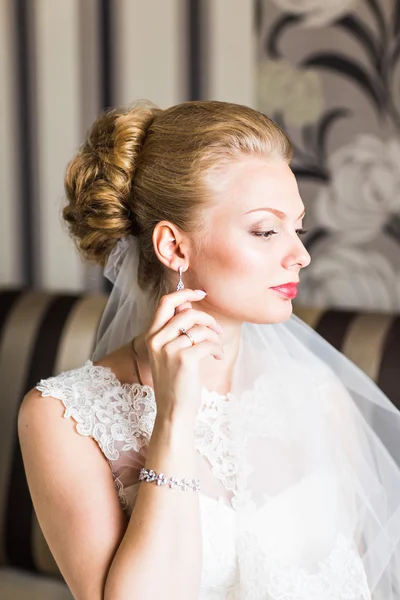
167	305
190	355
200	326
188	319
201	333
183	307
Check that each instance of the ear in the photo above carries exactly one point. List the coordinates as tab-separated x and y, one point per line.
171	249
170	246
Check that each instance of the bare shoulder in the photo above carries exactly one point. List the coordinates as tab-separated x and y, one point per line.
39	414
121	363
73	494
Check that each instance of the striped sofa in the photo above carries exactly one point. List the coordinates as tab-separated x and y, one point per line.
42	334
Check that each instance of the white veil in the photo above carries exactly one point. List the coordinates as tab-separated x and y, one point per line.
302	417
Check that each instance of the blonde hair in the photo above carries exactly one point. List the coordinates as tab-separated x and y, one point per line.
142	165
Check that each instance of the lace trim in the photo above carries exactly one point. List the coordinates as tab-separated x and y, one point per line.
121	492
103	408
112	412
215	439
223	427
124	414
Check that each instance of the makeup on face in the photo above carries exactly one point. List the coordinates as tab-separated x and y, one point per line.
261	228
288	290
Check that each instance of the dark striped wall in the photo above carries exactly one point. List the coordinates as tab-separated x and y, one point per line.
61	63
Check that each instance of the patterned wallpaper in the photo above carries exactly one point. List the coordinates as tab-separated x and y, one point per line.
329	72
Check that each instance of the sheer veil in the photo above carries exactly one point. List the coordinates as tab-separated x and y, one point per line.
299	411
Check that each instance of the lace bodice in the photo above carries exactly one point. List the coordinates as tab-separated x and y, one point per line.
290	543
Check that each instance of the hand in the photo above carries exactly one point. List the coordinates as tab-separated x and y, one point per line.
173	360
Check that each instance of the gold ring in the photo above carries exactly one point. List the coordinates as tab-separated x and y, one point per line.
184	332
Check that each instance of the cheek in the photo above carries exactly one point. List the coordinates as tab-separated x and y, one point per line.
238	261
231	259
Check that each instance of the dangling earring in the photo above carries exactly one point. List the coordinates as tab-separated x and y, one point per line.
180	285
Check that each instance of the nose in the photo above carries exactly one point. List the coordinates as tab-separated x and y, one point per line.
298	256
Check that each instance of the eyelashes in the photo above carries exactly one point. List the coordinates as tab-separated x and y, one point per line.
269	234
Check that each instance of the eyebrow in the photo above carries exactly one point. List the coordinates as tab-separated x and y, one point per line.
276	212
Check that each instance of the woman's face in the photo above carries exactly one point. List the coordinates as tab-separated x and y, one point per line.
247	249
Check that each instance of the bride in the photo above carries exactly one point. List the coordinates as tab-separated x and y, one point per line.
278	457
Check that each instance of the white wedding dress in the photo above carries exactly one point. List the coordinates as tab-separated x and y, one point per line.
293	540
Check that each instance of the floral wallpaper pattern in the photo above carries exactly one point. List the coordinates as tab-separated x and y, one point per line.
329	73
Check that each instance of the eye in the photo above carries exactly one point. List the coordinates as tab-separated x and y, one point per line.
269	234
301	231
265	234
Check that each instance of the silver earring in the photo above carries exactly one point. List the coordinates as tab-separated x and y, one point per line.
180	285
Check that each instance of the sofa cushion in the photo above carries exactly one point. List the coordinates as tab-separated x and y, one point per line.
41	334
370	339
21	585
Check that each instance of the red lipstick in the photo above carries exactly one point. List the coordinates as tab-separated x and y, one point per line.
289	290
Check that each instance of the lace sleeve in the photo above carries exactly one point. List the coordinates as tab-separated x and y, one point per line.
119	417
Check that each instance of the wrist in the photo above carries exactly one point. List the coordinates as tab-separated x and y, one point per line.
174	430
171	449
176	420
149	475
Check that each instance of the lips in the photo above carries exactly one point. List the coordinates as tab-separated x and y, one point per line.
287	289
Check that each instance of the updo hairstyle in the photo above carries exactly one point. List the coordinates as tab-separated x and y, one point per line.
142	165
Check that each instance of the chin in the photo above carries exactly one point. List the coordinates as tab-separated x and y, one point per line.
283	312
277	313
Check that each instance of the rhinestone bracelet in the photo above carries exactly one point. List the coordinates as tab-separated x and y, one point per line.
173	482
